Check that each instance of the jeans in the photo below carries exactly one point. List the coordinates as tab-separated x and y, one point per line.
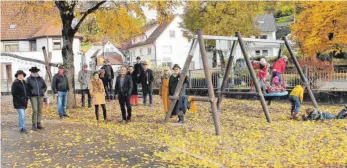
21	118
62	101
276	74
103	106
262	85
145	98
328	115
125	101
295	103
36	103
86	91
108	87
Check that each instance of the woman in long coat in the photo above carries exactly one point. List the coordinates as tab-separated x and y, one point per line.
134	93
97	91
164	89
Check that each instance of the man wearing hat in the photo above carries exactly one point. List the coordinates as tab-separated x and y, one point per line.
84	77
37	88
20	97
107	77
138	69
147	78
60	86
173	82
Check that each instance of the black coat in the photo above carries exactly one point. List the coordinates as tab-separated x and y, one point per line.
108	72
20	94
138	70
60	83
37	86
147	87
173	82
134	78
127	86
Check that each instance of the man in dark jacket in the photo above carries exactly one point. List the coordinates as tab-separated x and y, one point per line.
138	69
107	77
60	85
37	89
20	97
173	82
124	87
147	79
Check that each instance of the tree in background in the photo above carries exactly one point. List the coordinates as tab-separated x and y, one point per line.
321	27
221	18
116	20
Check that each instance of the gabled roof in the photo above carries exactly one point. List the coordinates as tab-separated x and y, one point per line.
157	32
265	23
51	30
31	26
113	57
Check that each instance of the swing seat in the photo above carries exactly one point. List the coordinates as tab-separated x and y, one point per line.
278	94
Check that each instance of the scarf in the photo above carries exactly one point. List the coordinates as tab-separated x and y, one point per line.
97	85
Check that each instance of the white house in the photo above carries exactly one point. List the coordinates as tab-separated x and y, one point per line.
267	26
161	44
100	51
21	45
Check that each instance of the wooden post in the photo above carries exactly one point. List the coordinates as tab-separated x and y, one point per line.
181	80
302	75
226	75
47	61
207	71
254	77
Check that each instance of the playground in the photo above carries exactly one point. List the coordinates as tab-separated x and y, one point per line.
246	140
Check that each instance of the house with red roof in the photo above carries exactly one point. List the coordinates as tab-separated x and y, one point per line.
22	42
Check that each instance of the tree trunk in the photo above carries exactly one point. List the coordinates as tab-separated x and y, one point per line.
68	59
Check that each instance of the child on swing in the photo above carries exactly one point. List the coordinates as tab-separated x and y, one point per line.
276	86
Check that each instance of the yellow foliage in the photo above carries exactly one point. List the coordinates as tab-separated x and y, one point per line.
314	24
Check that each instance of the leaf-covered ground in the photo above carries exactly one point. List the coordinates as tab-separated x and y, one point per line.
247	139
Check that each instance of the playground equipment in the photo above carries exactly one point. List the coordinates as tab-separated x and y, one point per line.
216	102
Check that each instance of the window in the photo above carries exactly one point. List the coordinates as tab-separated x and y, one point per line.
13	26
11	47
265	53
172	33
149	51
56	44
263	37
167	49
141	51
33	46
257	52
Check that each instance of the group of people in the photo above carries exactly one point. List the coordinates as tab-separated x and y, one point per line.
96	86
277	83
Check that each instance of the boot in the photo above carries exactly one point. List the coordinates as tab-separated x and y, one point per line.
34	127
39	126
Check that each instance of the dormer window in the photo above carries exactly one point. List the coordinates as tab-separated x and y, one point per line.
13	26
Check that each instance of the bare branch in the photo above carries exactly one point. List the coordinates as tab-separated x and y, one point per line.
91	10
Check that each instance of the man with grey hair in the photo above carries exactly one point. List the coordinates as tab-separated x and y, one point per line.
83	78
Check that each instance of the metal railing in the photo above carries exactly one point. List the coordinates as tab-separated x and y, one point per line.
240	79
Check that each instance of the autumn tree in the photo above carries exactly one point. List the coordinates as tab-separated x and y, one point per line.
321	27
117	19
221	18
